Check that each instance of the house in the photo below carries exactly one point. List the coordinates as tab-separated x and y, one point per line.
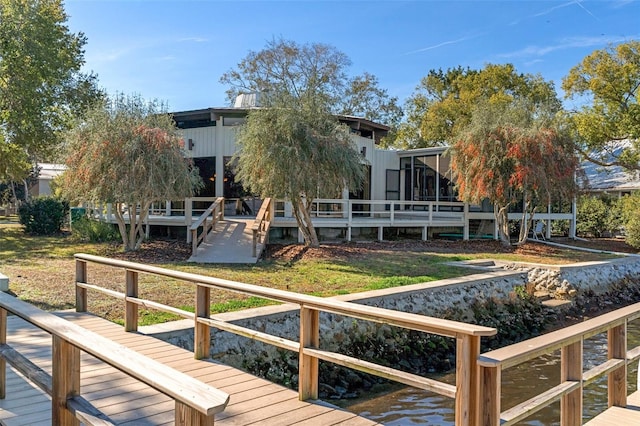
46	173
406	192
613	181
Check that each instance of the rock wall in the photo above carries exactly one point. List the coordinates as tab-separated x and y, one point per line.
357	337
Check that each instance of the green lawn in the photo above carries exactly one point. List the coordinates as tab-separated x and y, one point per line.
41	271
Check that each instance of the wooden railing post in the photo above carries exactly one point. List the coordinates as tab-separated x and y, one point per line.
201	332
187	416
254	248
308	365
65	380
131	308
467	352
617	379
3	363
571	369
488	408
81	293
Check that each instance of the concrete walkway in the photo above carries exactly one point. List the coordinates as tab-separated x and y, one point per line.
230	242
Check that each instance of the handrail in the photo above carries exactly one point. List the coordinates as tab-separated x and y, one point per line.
194	398
216	211
467	335
573	379
261	225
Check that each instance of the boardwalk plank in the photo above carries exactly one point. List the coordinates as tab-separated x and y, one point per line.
127	401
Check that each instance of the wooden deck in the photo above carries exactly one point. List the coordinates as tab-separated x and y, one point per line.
618	416
126	401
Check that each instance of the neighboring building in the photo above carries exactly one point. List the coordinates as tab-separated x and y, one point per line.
46	173
613	181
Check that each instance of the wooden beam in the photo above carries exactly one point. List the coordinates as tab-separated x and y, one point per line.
467	385
131	309
308	365
81	293
187	416
488	409
617	379
201	332
571	370
66	381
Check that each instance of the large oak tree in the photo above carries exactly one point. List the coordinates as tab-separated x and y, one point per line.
444	101
608	124
42	87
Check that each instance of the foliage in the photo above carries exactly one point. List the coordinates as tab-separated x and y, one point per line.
294	148
509	153
597	216
444	101
128	152
41	85
630	216
610	78
288	74
43	215
297	155
94	231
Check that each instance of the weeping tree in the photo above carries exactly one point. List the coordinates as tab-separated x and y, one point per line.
128	152
510	154
294	148
297	155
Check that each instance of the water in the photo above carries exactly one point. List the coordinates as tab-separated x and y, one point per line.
410	406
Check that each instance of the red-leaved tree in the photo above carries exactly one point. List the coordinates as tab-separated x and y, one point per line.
507	161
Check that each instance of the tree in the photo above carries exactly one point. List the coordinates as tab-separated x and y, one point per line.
41	86
610	79
294	148
444	101
129	153
364	98
508	155
297	155
292	74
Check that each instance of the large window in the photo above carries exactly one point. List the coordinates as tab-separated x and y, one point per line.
427	178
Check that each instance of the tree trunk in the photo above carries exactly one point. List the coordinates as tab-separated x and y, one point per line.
122	226
26	189
303	219
524	223
502	219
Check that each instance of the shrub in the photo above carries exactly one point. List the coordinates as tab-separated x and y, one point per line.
597	216
43	215
86	229
630	213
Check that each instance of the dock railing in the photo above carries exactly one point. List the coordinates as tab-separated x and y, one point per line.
573	379
195	402
261	225
206	223
467	336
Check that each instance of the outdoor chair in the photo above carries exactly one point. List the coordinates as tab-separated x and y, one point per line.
538	230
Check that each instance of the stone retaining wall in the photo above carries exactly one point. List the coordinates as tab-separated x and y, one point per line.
338	332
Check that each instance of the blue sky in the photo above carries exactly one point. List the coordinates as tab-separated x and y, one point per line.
176	51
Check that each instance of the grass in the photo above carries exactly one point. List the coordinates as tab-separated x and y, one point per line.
41	271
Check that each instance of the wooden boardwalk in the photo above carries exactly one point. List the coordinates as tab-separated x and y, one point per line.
618	416
126	401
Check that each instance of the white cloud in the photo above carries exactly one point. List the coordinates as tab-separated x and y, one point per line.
442	44
567	43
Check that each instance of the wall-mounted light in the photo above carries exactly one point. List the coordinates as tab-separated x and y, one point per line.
363	151
190	144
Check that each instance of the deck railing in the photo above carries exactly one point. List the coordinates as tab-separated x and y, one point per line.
308	345
261	225
207	222
573	379
195	402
